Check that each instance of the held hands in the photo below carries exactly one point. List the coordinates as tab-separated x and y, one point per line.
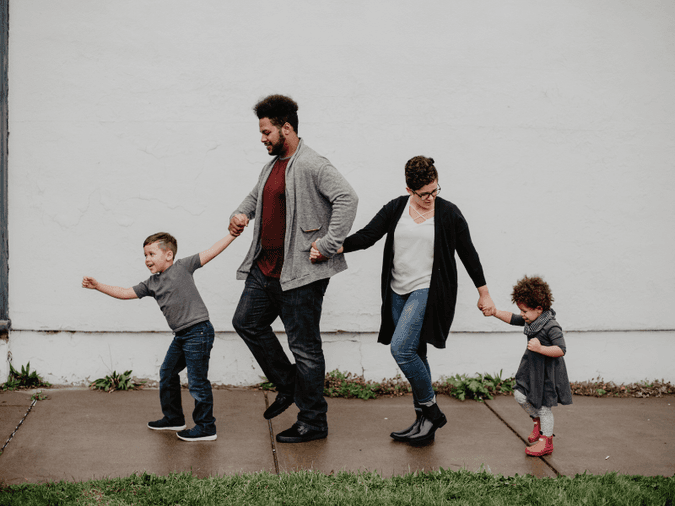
315	255
486	305
489	311
88	282
237	224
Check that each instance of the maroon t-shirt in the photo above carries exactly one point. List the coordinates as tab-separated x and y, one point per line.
273	221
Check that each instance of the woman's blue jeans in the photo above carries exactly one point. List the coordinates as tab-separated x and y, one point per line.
190	348
408	313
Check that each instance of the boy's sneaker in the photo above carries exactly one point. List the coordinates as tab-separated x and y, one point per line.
195	434
163	424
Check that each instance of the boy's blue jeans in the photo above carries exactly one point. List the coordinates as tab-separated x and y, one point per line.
190	348
408	314
262	301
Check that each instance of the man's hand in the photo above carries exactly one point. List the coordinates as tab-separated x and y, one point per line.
88	282
315	255
237	224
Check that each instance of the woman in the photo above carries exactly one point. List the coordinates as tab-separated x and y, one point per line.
419	282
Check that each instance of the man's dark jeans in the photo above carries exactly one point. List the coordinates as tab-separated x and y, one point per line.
190	348
300	311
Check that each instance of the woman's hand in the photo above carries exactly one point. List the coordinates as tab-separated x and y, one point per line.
485	303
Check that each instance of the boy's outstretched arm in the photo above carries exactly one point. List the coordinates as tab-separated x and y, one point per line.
113	291
206	256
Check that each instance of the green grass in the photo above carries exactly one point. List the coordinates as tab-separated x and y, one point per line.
308	487
460	386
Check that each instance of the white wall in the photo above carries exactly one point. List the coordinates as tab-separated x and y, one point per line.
551	124
79	357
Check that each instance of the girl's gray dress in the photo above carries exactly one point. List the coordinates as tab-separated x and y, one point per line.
543	379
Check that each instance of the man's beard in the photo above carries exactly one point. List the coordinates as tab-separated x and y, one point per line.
278	147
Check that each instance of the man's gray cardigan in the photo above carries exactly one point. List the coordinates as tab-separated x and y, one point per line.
320	206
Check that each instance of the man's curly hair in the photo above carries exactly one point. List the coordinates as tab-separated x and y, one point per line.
533	292
279	109
419	172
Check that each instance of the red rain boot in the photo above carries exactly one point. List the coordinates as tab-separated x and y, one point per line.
543	447
536	432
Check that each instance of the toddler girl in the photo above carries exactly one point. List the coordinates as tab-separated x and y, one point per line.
541	380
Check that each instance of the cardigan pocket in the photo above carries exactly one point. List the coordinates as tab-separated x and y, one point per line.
312	229
310	234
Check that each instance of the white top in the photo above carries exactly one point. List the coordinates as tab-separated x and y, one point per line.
413	254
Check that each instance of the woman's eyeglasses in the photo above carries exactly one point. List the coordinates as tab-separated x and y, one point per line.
426	195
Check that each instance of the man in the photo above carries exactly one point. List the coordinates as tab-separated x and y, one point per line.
300	201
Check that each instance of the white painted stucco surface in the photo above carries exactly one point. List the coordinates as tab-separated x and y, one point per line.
551	123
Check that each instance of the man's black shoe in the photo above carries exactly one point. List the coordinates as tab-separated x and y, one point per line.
280	404
300	434
163	424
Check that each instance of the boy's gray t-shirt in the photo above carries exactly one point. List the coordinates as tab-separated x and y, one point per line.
176	293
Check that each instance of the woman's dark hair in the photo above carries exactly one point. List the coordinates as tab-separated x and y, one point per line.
279	109
534	292
419	172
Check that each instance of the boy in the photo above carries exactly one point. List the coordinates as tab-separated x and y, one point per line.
173	287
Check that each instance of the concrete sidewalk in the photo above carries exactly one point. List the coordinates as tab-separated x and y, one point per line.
78	435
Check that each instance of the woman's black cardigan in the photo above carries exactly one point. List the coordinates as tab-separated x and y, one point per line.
451	233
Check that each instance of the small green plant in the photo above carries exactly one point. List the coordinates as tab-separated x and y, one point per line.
38	396
24	379
267	385
116	381
483	386
395	387
339	384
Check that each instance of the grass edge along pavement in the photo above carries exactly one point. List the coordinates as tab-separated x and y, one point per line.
349	385
479	387
368	488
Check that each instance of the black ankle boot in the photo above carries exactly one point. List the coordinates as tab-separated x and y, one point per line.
432	420
413	429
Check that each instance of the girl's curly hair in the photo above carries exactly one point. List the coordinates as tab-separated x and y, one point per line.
533	292
419	172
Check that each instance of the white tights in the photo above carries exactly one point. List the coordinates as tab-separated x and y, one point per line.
544	414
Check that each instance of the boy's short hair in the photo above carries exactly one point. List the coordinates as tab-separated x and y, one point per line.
534	292
165	240
279	109
419	172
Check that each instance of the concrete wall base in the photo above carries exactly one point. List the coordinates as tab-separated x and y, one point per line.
76	358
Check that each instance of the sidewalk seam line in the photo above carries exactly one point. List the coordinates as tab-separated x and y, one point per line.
272	443
557	473
2	450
